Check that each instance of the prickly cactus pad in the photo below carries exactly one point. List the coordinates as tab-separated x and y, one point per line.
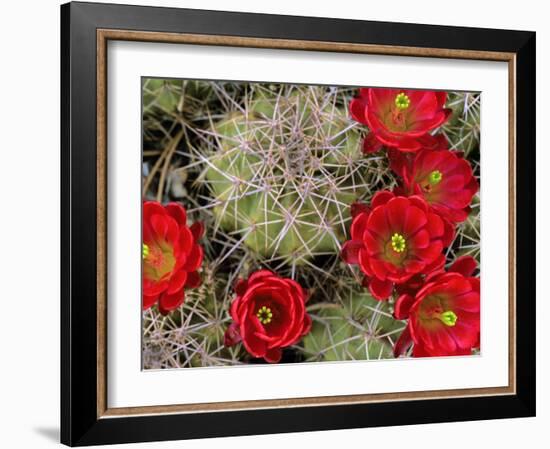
353	327
283	169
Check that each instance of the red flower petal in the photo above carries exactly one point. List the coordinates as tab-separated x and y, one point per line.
372	244
240	287
153	288
151	208
448	233
415	219
194	259
396	211
464	265
381	197
408	144
435	225
442	142
421	239
403	343
402	307
350	251
177	213
148	301
378	267
170	302
381	98
437	142
159	224
435	268
378	223
358	226
381	290
364	263
430	253
232	335
414	266
193	280
371	144
418	201
454	183
423	105
273	355
197	229
358	208
475	282
177	282
185	240
254	345
441	98
258	276
399	162
357	108
235	310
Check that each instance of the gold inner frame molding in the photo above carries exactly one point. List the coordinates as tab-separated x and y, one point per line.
105	35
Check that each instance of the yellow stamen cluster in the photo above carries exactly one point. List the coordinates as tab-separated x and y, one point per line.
144	251
435	177
448	318
402	101
398	243
264	315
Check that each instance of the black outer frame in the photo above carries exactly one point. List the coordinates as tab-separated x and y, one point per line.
79	422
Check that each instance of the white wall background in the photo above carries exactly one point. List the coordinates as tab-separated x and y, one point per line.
29	224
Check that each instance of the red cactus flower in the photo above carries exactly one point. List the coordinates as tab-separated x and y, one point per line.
268	314
399	118
395	239
445	180
443	314
171	255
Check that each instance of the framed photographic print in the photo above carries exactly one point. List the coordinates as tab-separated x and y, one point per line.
278	224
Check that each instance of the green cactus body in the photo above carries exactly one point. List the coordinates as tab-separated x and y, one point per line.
200	323
469	233
282	173
463	127
163	94
355	328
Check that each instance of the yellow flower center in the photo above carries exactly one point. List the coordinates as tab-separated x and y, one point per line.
448	318
158	260
435	177
264	315
398	243
402	101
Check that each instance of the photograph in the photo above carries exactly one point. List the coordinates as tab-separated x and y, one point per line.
274	222
294	223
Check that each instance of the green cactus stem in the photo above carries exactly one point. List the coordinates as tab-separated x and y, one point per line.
283	170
